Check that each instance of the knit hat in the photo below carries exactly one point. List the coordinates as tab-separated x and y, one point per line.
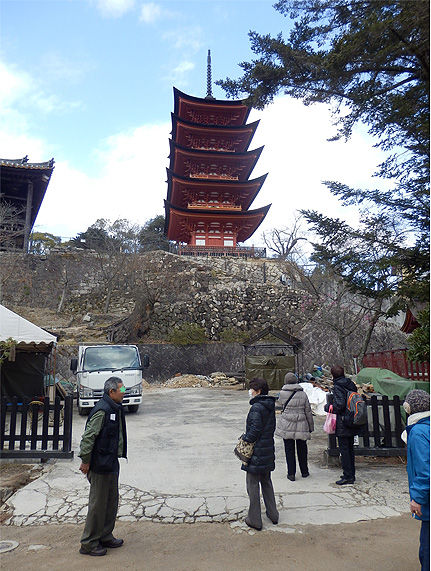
418	401
290	379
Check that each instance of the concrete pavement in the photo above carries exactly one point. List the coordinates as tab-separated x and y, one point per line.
181	469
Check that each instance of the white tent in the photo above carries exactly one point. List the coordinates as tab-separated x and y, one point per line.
22	331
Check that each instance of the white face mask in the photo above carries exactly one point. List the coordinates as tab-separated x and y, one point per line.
250	393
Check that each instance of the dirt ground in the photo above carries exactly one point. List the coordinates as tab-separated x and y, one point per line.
384	544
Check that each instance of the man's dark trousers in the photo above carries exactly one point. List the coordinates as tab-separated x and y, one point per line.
424	549
102	509
347	452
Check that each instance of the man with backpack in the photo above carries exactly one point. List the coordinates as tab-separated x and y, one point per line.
346	427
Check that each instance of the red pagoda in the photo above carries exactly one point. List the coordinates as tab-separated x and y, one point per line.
209	191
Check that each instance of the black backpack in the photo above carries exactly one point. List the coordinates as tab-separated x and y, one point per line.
356	410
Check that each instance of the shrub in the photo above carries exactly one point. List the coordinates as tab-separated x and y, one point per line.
188	334
233	335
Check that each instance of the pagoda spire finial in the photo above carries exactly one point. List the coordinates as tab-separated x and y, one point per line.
209	94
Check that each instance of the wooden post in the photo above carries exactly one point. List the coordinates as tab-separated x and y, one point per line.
28	209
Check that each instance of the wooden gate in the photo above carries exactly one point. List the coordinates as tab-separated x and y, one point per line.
36	429
383	431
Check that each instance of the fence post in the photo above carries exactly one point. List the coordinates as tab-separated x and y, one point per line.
12	424
67	423
45	424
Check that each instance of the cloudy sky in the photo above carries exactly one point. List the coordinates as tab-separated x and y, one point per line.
89	83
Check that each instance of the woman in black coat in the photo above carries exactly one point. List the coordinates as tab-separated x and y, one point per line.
344	433
260	427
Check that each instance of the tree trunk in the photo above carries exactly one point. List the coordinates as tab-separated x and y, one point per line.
63	293
374	319
136	325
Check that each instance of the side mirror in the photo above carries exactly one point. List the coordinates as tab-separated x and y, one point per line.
145	361
74	364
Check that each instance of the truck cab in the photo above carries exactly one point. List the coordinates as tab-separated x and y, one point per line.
96	363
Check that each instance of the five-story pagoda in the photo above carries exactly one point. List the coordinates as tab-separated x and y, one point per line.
209	191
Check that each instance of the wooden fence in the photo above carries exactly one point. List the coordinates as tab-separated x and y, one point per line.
382	435
35	429
396	360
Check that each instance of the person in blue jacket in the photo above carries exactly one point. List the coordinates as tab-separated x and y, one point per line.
417	435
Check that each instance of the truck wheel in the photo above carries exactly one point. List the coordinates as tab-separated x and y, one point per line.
133	407
82	411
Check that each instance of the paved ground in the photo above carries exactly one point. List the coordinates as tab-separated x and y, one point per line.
181	470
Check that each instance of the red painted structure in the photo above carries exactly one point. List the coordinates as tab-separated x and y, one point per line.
396	361
209	191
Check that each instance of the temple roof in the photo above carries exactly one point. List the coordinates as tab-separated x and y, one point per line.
15	174
232	166
178	221
210	111
410	322
24	164
179	187
191	135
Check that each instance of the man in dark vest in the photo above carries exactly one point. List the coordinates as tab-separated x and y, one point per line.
103	442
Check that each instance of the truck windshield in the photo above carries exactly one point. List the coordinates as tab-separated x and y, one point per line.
110	357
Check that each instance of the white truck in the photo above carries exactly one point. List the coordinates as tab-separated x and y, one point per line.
96	363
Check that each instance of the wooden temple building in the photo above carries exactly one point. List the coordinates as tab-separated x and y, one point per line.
22	189
207	210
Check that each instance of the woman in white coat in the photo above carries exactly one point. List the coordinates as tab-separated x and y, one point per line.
295	425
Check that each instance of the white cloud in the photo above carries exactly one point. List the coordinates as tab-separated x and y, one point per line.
131	184
20	92
13	84
60	68
189	38
177	76
150	12
299	158
114	8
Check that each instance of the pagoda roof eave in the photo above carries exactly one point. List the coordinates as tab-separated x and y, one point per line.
216	182
235	213
215	153
193	98
209	102
245	127
244	133
253	185
234	216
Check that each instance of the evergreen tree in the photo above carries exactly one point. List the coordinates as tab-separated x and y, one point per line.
370	61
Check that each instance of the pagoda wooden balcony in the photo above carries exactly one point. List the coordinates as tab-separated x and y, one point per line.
218	251
213	206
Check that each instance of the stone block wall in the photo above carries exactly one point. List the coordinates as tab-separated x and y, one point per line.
218	294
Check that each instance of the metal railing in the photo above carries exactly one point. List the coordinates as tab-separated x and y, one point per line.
396	361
